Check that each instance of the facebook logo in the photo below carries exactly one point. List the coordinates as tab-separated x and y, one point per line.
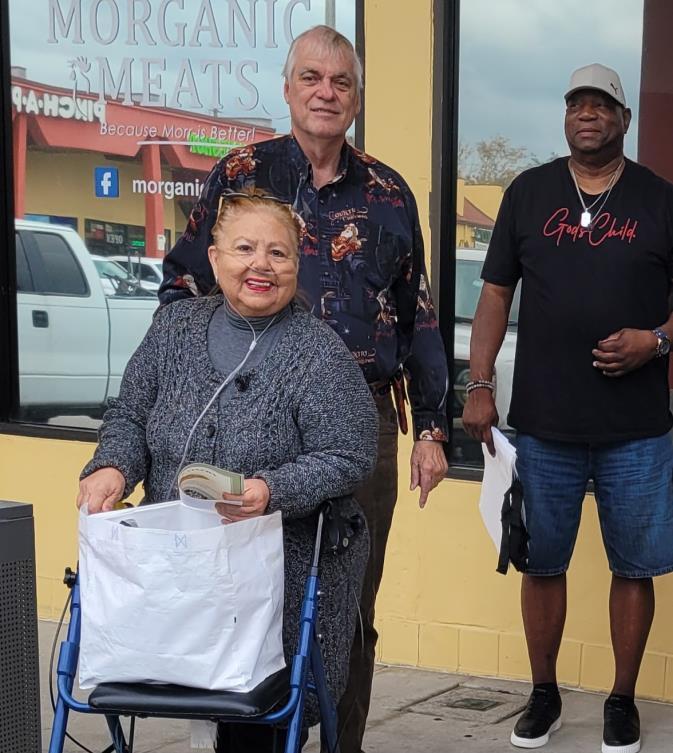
106	182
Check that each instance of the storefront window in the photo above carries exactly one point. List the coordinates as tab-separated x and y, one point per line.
515	63
119	112
116	239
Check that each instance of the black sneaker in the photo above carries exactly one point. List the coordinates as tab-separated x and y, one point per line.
621	725
540	718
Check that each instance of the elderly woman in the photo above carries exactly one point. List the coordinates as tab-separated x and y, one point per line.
298	420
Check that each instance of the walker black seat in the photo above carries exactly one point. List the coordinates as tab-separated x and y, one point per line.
177	701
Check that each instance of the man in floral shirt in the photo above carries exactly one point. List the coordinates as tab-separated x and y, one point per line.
362	270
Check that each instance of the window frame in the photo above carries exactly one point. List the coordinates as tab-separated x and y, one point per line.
9	353
9	376
443	195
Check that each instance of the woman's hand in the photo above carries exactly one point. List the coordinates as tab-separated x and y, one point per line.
255	501
101	490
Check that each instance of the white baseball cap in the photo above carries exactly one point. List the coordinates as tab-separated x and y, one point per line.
599	77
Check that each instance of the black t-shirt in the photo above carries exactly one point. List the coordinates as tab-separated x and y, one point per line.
577	287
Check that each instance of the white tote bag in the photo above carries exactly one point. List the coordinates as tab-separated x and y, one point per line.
181	598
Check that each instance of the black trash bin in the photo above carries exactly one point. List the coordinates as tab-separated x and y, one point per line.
19	657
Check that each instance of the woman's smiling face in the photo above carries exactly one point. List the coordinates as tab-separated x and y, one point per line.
255	261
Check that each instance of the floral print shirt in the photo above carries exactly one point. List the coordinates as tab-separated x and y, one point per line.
362	267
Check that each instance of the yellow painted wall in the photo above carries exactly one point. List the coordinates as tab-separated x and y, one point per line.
441	603
464	235
398	81
460	196
443	606
71	175
45	473
486	198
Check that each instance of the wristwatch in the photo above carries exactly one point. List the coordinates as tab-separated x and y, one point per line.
663	343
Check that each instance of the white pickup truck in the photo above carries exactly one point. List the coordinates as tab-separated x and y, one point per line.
74	341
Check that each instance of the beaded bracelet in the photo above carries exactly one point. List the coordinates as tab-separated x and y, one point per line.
477	384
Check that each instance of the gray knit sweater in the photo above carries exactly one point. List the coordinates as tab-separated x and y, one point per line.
306	424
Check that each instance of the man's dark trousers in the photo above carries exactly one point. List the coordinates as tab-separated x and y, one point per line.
377	497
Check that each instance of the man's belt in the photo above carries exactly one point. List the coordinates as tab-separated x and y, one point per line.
380	388
396	384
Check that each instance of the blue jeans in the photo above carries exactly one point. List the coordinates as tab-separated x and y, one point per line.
633	484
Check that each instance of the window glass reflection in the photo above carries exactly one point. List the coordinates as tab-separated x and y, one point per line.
118	117
515	62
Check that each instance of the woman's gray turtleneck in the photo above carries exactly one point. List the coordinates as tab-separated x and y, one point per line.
229	338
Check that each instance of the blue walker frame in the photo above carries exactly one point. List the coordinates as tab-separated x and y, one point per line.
308	656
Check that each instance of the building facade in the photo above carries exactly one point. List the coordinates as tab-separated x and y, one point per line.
485	75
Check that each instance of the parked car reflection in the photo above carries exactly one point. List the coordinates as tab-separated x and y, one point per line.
469	262
118	281
149	270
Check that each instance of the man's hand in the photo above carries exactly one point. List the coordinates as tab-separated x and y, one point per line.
428	467
101	490
479	414
255	498
624	351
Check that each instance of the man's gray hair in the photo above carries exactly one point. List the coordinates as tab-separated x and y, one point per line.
330	39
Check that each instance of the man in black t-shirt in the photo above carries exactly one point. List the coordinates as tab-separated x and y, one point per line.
590	237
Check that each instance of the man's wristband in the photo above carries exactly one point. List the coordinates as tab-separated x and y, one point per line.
479	384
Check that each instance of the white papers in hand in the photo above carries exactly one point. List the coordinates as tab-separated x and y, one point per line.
499	471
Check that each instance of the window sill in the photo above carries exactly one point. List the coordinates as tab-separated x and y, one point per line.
467	473
44	431
464	473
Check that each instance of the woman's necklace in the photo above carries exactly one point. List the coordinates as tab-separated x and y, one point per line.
586	216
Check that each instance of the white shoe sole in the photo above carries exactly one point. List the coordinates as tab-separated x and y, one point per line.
633	748
538	742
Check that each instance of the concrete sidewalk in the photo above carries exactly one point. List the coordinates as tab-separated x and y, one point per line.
412	710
